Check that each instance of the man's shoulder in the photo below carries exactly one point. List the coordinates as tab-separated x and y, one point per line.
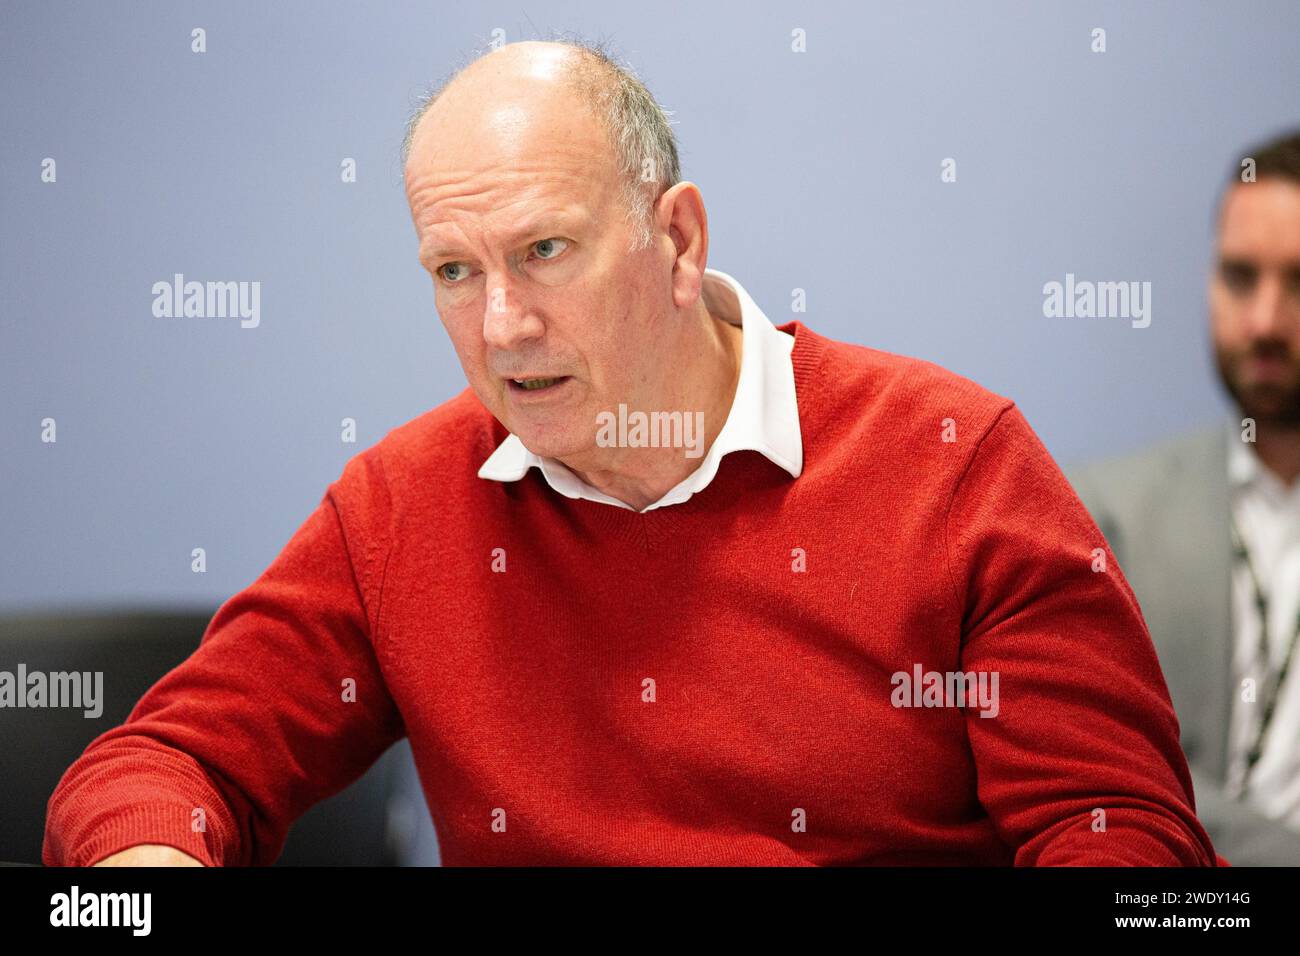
453	427
897	387
435	448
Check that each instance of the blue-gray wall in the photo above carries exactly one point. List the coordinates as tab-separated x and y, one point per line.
821	171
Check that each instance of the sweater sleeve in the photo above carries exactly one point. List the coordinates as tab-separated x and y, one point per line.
1081	764
281	705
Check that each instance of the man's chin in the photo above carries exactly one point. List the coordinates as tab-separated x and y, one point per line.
548	441
1270	405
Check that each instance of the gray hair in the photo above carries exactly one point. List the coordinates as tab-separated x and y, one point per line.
637	127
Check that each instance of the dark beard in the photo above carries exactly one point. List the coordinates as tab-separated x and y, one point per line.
1268	404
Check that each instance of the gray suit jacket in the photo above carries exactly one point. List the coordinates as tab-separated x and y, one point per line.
1164	512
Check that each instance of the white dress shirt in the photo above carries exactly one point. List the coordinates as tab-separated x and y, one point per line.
1267	514
764	414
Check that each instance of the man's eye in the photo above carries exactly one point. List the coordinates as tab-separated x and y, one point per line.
550	244
1238	277
547	249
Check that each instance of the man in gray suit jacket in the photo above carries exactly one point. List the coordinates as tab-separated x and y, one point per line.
1168	515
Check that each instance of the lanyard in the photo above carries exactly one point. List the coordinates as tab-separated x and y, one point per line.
1273	683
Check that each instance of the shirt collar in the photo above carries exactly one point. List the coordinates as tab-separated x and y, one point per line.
1247	474
764	415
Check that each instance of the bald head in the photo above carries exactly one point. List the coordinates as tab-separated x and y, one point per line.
528	88
530	71
517	76
518	103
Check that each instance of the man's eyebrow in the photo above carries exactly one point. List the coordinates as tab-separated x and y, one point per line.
548	223
1236	261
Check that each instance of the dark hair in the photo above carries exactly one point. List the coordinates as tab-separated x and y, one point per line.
1278	158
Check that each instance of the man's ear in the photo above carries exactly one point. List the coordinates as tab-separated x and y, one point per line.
680	212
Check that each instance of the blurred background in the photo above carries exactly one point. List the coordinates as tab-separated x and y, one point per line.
821	171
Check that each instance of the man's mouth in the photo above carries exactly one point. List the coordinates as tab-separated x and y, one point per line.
1269	367
535	384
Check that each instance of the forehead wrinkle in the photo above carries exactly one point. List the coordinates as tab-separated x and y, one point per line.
562	165
534	146
463	185
480	208
551	218
453	201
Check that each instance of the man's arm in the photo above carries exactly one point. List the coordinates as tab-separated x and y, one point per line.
282	705
1082	763
1086	489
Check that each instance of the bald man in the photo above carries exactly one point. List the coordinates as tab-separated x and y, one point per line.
666	584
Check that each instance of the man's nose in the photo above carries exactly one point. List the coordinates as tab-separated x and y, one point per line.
508	318
1267	312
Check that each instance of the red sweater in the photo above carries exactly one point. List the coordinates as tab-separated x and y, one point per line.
666	688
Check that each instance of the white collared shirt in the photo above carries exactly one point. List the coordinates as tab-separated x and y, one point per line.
1267	514
764	414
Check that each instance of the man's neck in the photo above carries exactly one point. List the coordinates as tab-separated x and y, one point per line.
1278	448
641	476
